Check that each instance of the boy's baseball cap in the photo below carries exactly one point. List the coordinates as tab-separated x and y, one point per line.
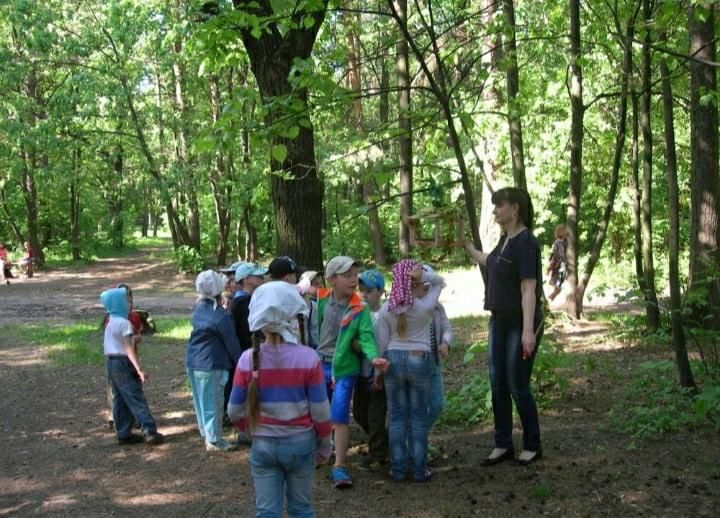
247	269
282	266
340	264
232	268
372	279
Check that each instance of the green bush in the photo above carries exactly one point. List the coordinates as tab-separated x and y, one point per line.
188	260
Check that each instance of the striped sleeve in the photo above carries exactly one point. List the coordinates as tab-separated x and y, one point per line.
319	405
238	395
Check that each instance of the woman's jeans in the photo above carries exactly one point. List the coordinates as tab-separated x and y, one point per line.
208	393
407	388
283	466
128	397
510	379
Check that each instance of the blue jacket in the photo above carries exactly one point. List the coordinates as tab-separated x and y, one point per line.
213	344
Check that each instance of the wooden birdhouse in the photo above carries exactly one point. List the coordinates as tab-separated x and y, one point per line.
446	225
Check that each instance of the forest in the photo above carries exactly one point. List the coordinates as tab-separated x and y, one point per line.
310	128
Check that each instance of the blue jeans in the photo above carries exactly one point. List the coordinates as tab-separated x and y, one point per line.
128	398
283	465
510	379
407	388
208	393
437	394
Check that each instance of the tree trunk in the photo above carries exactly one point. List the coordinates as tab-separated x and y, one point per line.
368	182
620	135
75	205
704	172
651	306
297	193
30	195
220	181
676	318
405	157
250	235
576	160
115	201
513	88
637	196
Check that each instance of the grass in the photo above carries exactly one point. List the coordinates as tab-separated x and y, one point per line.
61	254
81	343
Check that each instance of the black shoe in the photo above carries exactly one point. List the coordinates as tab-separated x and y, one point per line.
133	438
508	454
537	456
154	438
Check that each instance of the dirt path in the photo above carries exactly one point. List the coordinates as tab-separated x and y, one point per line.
59	457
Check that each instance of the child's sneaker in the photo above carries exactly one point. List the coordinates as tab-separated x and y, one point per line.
341	478
154	438
221	445
133	438
371	464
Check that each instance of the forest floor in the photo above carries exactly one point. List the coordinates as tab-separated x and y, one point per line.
59	457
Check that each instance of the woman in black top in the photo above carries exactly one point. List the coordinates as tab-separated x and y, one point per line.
512	294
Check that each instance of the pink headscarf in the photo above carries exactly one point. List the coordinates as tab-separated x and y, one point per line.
401	293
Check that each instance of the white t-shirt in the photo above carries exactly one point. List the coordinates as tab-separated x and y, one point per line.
115	332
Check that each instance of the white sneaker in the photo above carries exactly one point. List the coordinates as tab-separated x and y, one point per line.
220	445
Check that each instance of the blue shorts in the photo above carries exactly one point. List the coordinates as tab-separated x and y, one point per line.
342	397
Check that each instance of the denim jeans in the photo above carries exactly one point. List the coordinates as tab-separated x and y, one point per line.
208	393
283	466
437	395
407	388
128	397
510	379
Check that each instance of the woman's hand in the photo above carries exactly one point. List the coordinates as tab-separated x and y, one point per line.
528	344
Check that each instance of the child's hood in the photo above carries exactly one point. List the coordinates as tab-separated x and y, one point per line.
115	302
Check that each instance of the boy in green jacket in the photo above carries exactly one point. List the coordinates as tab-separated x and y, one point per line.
344	323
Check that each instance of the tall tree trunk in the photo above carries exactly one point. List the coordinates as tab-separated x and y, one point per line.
75	205
637	196
384	112
620	134
30	196
652	310
220	182
576	160
250	235
297	194
513	88
405	157
368	182
115	200
676	318
704	172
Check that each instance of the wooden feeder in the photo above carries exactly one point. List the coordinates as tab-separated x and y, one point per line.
448	228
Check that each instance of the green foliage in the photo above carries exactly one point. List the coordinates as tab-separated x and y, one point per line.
470	405
541	491
189	260
707	404
175	329
654	403
549	375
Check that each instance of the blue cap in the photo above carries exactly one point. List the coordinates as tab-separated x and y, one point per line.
372	279
246	269
232	268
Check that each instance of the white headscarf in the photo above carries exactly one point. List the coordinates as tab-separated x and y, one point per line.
209	284
273	308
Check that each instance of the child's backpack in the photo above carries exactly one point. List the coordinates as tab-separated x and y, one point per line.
148	324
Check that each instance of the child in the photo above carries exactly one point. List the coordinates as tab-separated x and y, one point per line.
5	264
283	268
343	319
124	373
279	397
556	266
310	282
369	405
213	350
403	333
441	335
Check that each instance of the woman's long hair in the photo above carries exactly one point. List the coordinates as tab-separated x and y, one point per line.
519	197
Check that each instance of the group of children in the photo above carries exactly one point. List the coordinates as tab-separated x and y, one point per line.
26	263
246	356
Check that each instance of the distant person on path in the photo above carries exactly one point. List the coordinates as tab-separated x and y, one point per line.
369	407
346	331
556	266
279	398
403	335
124	373
213	350
513	295
5	264
28	259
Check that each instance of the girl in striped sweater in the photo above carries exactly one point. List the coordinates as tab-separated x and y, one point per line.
279	398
